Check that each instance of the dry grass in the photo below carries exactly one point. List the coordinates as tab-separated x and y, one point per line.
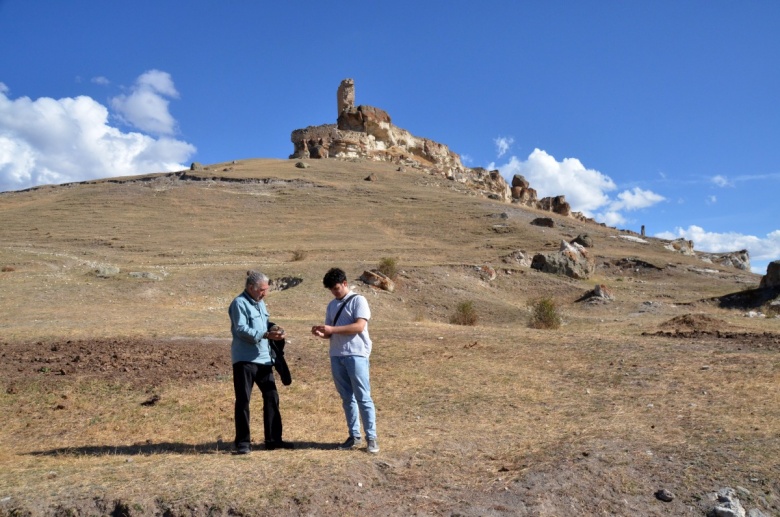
489	419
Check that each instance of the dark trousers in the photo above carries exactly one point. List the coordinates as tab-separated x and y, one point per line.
245	376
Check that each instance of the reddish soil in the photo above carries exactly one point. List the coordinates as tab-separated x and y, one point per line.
139	362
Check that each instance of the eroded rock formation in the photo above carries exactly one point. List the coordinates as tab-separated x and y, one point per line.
367	132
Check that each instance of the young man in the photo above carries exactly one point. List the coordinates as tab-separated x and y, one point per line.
252	363
346	325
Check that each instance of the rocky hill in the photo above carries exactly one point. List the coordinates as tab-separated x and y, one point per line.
658	390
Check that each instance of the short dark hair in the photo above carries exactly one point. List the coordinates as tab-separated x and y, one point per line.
333	277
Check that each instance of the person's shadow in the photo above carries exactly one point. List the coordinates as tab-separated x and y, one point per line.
139	449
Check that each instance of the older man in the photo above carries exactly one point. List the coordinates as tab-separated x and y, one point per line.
252	363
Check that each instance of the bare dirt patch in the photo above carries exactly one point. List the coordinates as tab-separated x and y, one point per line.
137	362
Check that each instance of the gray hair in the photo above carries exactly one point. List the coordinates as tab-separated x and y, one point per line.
255	277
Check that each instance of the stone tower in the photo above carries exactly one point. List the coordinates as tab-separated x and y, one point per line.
345	96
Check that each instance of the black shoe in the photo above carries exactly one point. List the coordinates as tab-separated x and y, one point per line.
281	444
353	442
243	450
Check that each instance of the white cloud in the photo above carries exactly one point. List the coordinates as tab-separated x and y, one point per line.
762	250
721	181
636	199
146	107
711	200
585	189
466	159
503	144
47	140
102	81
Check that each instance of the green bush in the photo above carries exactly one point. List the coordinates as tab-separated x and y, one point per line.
465	314
388	266
544	314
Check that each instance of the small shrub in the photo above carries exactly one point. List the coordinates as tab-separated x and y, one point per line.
298	255
465	314
8	269
544	314
388	266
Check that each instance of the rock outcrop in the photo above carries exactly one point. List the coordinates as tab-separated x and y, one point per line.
772	278
738	259
681	246
522	193
367	132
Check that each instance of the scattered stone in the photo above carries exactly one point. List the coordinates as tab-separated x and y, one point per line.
633	238
145	275
151	401
106	271
283	283
755	512
378	279
487	273
664	495
371	177
302	165
196	166
599	294
519	256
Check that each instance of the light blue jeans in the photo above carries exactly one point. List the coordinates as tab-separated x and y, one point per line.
350	374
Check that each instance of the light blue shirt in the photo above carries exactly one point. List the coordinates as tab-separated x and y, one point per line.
248	323
349	344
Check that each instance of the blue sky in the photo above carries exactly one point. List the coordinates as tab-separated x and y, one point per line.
664	113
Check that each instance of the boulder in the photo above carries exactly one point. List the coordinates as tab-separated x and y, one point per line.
518	180
557	204
772	278
583	239
377	279
196	166
543	221
302	165
371	177
571	260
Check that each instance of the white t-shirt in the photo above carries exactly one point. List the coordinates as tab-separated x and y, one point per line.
349	344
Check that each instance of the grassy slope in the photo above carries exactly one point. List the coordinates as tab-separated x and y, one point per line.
489	419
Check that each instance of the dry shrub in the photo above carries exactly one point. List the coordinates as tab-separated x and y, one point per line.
388	266
298	255
544	314
465	314
8	269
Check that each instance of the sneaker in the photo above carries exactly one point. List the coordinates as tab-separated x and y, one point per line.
243	450
373	446
353	442
281	444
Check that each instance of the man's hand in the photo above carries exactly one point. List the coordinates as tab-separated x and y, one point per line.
323	331
275	334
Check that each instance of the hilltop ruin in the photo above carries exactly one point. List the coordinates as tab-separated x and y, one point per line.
367	132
